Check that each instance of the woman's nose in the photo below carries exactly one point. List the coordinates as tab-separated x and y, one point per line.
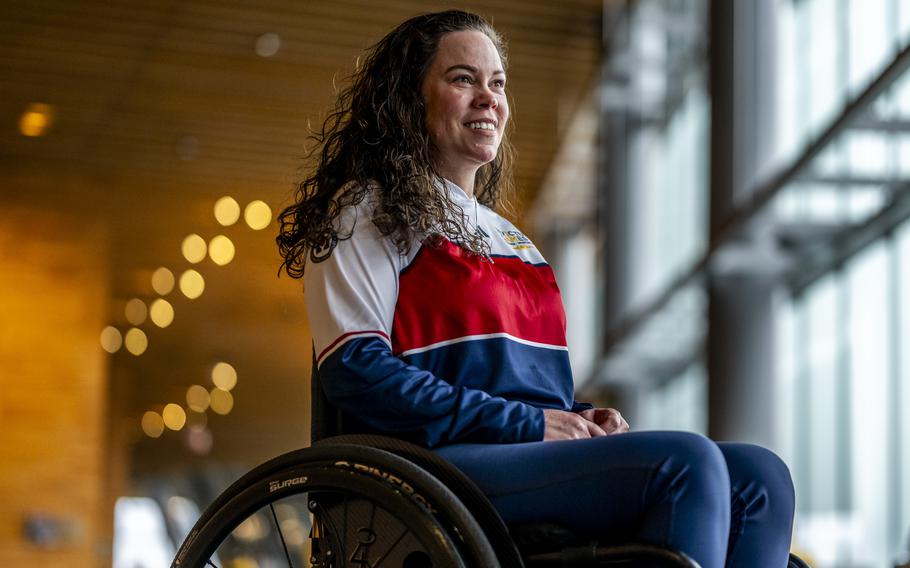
486	99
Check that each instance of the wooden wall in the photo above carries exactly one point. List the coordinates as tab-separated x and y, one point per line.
53	390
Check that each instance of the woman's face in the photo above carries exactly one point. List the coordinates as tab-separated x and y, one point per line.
465	98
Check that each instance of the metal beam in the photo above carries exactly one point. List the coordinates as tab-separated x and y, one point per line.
874	123
850	242
738	219
852	112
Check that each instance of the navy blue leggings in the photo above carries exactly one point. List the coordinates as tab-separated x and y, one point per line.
720	503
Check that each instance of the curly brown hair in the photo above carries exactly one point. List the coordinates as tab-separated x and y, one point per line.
376	139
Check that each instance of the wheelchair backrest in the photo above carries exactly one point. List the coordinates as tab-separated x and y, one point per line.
325	419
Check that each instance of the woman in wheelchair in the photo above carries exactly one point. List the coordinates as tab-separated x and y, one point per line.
436	320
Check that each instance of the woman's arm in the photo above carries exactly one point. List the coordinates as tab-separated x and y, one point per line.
366	380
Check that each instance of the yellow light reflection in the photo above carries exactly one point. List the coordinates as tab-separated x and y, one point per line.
161	312
224	376
193	248
36	120
192	284
163	281
152	424
227	211
197	398
257	215
174	416
222	401
252	528
221	250
136	341
111	340
294	532
136	311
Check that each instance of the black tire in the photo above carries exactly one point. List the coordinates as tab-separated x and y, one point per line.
797	562
435	520
468	493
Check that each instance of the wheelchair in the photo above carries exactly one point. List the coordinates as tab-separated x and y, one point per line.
358	500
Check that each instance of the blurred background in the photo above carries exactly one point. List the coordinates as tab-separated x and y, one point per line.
722	188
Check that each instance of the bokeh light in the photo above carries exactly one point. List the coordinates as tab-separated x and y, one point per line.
267	44
224	376
136	311
174	416
111	340
152	424
227	211
221	250
192	284
197	398
253	528
161	312
199	441
136	341
36	120
257	215
193	248
163	281
222	401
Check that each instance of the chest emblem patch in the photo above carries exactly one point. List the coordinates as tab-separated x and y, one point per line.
516	239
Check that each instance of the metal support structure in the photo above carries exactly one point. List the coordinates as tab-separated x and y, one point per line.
741	395
730	227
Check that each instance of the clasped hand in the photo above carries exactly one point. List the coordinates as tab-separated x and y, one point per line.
562	425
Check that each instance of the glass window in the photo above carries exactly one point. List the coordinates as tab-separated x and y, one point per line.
902	9
790	61
786	372
678	404
823	92
140	534
870	41
870	371
901	468
819	376
577	276
669	196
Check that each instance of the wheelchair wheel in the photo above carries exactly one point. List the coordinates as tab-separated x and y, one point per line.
336	506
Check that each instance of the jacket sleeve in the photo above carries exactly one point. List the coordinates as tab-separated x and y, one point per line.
581	406
350	298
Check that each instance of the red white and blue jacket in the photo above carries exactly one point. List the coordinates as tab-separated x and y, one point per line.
439	345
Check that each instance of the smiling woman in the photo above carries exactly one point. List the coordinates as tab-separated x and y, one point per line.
466	105
384	131
436	320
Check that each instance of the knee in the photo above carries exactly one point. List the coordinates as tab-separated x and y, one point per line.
694	464
761	476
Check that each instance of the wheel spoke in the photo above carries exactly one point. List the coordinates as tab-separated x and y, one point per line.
281	536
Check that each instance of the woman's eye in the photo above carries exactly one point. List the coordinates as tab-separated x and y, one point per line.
464	79
500	83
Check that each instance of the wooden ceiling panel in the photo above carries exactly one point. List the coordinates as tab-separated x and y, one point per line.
131	81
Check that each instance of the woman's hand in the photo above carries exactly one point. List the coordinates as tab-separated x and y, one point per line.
562	425
609	419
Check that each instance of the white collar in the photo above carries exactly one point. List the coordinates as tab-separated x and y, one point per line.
457	194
